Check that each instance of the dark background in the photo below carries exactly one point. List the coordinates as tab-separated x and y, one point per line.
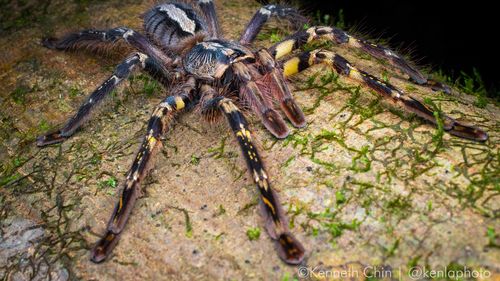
454	37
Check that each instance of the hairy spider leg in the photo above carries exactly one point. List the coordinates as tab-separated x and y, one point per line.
157	127
121	72
387	91
335	35
259	103
339	36
288	247
264	14
208	9
91	39
274	82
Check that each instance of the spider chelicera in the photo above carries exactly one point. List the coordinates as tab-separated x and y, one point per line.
184	49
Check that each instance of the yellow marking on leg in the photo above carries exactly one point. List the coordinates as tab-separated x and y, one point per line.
284	48
110	237
152	141
264	185
179	103
355	74
268	203
120	204
291	66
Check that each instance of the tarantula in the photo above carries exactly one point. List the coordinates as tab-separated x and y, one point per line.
184	49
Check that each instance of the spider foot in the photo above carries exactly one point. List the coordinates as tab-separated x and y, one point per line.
275	124
50	138
104	247
50	43
290	250
468	132
438	86
294	113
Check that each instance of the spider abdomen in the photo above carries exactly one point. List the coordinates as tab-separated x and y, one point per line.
169	23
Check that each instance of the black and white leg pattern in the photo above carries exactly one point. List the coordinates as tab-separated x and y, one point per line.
158	125
340	37
90	38
264	14
121	72
288	247
386	90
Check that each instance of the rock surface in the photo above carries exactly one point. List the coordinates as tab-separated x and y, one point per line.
368	189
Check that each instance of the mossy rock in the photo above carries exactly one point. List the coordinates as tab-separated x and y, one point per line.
364	185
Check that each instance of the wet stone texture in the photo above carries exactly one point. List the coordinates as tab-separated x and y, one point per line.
364	185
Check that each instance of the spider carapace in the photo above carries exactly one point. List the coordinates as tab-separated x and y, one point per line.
183	48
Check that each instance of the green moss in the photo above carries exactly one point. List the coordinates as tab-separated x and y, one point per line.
361	163
220	211
400	206
19	94
492	237
272	35
287	277
195	160
108	183
253	233
437	138
336	229
218	152
340	197
148	85
188	225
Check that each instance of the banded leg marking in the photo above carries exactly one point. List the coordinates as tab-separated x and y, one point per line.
338	36
289	248
89	38
157	127
264	14
388	91
121	72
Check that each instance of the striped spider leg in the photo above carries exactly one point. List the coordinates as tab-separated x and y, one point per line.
208	9
121	72
331	34
97	39
288	247
264	14
338	36
387	91
157	127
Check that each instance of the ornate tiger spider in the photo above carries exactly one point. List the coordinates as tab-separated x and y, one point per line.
183	48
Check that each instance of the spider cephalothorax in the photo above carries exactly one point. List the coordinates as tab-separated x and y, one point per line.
183	48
